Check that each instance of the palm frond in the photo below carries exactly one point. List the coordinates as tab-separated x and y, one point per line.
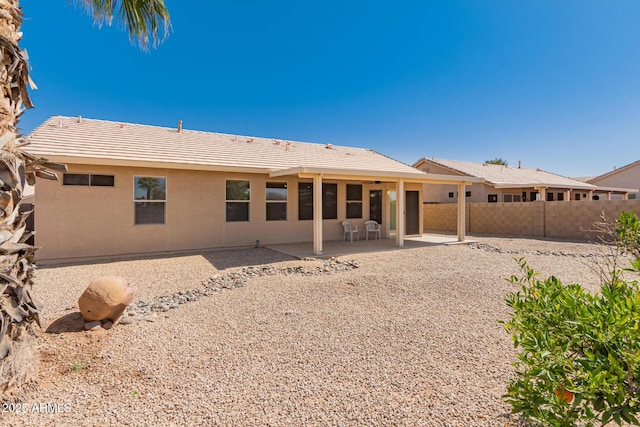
144	20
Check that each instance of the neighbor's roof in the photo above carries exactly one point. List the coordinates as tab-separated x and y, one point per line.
99	142
508	176
500	175
614	171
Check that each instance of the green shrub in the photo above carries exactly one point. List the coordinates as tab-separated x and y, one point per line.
579	359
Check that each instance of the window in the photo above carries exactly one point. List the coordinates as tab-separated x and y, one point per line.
577	196
238	195
492	198
329	201
549	197
305	200
534	196
276	201
451	194
560	196
86	179
507	198
467	194
102	180
354	201
524	196
150	196
517	198
75	179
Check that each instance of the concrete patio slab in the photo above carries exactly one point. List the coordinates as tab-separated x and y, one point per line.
339	248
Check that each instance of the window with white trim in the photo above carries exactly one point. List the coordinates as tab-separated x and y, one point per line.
238	196
276	195
150	197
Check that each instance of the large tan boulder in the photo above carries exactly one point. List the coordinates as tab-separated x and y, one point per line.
106	298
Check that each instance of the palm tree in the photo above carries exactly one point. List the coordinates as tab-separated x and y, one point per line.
143	19
151	186
497	161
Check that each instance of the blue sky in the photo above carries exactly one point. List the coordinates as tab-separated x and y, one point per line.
553	83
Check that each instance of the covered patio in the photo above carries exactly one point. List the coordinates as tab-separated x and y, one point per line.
399	182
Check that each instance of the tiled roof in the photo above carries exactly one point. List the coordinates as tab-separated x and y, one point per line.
583	178
507	175
87	140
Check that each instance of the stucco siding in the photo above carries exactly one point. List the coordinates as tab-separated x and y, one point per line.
626	178
88	221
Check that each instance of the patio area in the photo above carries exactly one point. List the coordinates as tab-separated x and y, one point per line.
339	248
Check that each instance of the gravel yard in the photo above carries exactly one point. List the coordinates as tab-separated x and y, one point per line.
411	337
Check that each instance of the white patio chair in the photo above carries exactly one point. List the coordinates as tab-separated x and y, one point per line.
372	227
350	230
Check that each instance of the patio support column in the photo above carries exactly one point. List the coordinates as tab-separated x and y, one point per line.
317	214
625	196
567	195
590	195
609	195
542	193
461	211
400	212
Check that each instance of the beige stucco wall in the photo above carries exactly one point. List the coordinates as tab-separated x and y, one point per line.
83	221
563	220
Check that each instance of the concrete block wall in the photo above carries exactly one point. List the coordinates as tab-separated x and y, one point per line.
507	218
440	217
575	219
563	220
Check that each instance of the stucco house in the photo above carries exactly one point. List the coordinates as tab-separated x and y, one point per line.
500	183
134	189
625	176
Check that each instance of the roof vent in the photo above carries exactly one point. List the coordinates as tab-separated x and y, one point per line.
179	126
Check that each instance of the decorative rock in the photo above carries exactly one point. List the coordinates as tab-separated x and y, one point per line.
106	298
107	325
126	320
233	280
92	326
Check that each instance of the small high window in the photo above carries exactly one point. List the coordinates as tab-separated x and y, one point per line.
102	180
238	195
86	179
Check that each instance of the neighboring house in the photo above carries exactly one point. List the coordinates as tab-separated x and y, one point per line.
626	176
134	188
502	183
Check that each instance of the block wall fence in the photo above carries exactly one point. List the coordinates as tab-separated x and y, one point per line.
562	219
